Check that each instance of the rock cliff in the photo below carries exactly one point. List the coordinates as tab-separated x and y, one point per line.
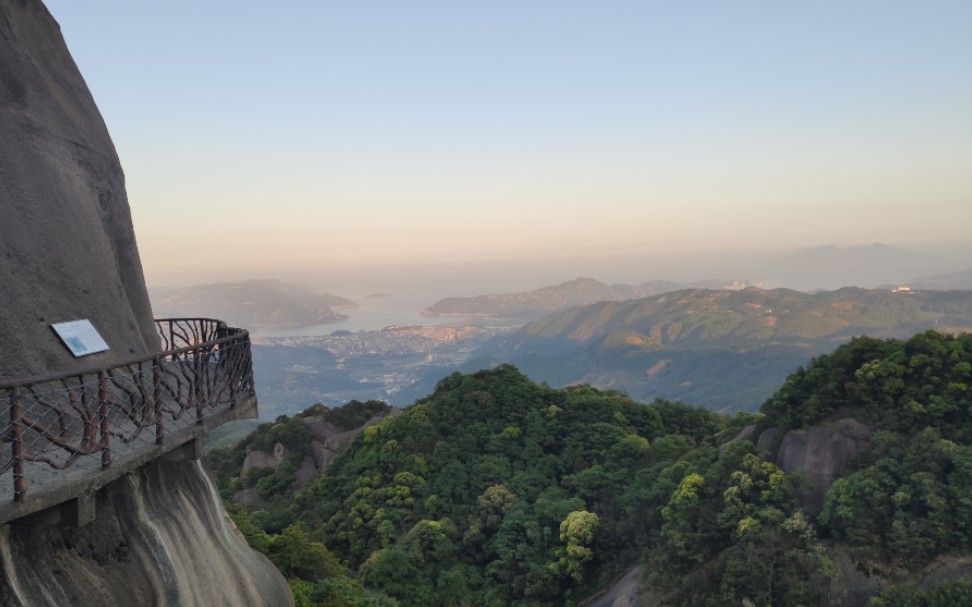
68	252
821	452
161	537
67	247
326	441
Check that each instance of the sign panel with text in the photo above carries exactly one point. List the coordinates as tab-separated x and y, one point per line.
80	337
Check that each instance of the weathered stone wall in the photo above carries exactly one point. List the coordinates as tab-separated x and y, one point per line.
67	247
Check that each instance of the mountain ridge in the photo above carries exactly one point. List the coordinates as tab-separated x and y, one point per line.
829	267
723	349
752	315
555	298
946	282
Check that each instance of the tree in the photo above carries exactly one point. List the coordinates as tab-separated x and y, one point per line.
298	557
577	532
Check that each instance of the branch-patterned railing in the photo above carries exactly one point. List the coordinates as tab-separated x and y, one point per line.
81	420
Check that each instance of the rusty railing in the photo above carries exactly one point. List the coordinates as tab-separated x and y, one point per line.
82	420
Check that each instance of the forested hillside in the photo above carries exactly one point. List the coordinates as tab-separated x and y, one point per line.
911	498
726	350
495	490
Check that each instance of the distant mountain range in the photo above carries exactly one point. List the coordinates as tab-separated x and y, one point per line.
722	349
832	267
253	304
546	300
943	282
825	267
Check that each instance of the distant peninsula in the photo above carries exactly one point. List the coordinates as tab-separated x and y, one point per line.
256	304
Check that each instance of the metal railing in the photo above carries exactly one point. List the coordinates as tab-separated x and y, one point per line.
83	419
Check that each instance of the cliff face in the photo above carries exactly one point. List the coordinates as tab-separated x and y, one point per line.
161	537
67	252
67	247
326	441
821	452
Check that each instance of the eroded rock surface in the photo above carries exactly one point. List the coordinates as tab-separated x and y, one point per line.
327	440
67	246
769	440
68	252
262	459
326	445
161	537
822	452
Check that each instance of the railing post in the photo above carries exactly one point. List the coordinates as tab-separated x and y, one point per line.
231	370
157	399
198	362
16	412
245	374
103	413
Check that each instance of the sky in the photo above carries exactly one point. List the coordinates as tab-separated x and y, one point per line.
257	136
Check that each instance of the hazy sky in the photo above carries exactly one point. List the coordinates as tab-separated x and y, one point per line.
255	135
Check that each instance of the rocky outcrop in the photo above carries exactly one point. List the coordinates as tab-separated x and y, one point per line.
750	433
822	452
158	535
161	537
321	430
769	440
327	441
67	246
856	580
626	592
261	459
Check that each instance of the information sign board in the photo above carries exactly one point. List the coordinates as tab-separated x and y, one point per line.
80	337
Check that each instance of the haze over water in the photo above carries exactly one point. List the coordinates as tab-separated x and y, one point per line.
334	136
372	313
396	294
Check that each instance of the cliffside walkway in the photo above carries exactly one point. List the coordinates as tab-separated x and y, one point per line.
70	434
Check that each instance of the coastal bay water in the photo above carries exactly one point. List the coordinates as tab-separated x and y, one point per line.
386	350
374	311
